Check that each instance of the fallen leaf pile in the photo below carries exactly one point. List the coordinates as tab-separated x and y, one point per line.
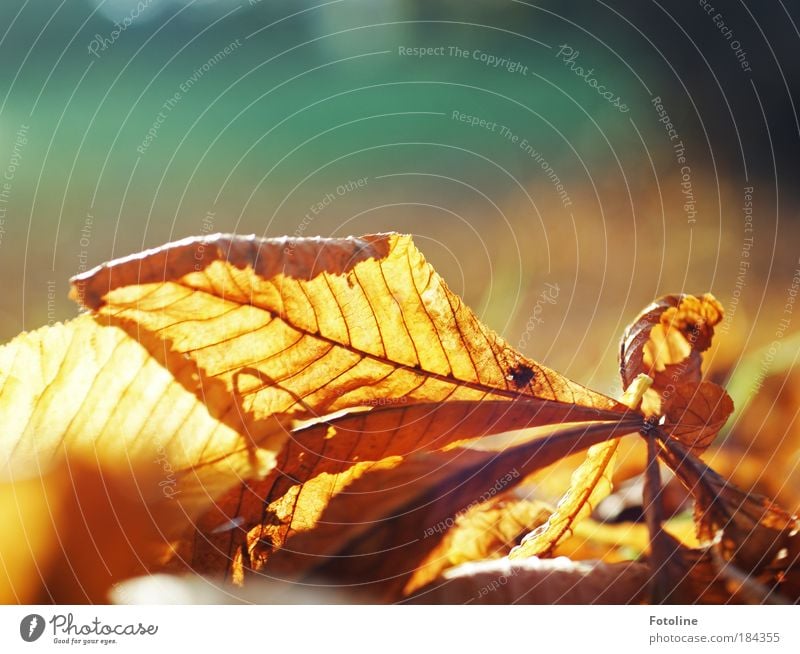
323	414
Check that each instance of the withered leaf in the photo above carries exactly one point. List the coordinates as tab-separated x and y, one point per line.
692	576
379	530
748	530
590	483
311	326
312	405
317	326
697	413
666	342
321	459
138	444
91	390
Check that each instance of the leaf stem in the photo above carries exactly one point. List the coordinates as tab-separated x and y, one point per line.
654	516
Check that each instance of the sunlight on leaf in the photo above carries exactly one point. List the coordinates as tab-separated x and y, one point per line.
327	412
320	326
590	484
82	387
666	342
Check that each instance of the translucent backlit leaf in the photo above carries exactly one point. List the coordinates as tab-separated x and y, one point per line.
666	342
90	389
591	483
306	328
313	326
385	524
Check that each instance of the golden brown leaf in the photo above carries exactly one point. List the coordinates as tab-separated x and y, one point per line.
304	329
99	397
666	342
383	526
210	351
486	531
320	460
747	529
697	413
89	389
312	326
591	482
589	485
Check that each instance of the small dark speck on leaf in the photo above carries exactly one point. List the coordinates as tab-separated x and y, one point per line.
521	375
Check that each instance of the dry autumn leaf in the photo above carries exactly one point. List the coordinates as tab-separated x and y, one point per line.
590	483
323	459
98	396
327	325
747	530
666	342
318	403
385	524
203	351
697	413
323	325
90	389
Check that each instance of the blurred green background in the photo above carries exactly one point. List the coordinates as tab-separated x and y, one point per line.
125	124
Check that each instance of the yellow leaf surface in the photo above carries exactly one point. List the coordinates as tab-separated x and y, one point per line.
666	342
360	324
383	525
96	428
322	459
90	389
311	408
590	483
323	325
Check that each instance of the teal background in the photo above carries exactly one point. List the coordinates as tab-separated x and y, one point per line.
317	95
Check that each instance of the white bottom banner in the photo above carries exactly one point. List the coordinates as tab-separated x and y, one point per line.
389	629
